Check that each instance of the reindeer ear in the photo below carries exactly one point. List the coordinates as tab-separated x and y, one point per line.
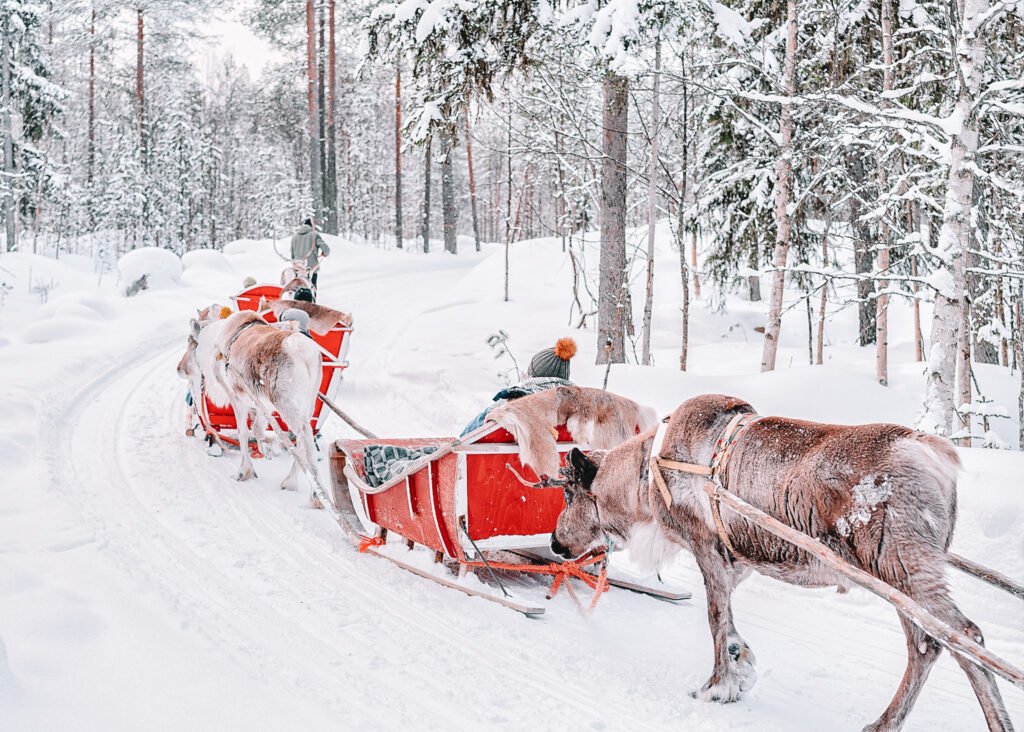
584	469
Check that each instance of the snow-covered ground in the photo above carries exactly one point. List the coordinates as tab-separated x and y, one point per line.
142	587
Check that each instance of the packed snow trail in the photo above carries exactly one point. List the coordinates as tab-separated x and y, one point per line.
167	595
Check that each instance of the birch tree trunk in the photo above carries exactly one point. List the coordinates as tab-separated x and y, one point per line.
652	205
398	155
427	162
783	174
954	237
472	181
449	214
611	315
9	208
315	173
882	301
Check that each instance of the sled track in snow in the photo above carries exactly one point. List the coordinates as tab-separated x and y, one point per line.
270	584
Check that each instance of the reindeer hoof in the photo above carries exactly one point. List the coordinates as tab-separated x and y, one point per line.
314	502
725	690
244	475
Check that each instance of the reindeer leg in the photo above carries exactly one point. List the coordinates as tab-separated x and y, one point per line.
982	682
726	682
245	469
741	658
922	653
305	454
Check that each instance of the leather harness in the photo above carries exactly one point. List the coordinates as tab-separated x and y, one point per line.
713	472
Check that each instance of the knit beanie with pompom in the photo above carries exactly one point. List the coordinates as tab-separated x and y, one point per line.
553	362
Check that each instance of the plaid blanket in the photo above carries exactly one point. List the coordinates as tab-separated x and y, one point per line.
381	463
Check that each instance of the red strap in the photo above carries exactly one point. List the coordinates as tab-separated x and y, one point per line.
368	541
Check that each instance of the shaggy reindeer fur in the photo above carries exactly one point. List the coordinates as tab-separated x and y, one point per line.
595	418
257	369
321	319
294	276
882	497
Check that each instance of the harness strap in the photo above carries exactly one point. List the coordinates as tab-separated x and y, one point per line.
234	338
723	448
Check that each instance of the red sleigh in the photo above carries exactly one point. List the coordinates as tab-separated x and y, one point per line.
220	421
464	502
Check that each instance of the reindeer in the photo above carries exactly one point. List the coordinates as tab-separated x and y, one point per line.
296	275
258	369
881	496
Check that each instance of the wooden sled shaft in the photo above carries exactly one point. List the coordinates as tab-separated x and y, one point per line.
954	640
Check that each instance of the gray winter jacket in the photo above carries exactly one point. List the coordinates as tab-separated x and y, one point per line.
303	246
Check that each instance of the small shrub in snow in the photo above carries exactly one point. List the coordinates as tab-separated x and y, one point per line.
499	345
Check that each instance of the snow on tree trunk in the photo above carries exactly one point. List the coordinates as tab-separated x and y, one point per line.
924	231
508	192
882	301
427	162
863	260
611	315
449	214
398	155
783	174
8	140
954	237
652	205
819	348
472	181
91	128
331	182
1018	356
315	174
963	371
140	106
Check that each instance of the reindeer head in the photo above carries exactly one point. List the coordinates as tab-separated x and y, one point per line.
188	364
579	526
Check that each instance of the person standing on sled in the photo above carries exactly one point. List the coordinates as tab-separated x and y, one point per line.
308	246
548	368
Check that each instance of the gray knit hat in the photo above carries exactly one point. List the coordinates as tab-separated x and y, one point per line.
553	362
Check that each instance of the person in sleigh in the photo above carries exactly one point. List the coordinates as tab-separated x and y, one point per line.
548	368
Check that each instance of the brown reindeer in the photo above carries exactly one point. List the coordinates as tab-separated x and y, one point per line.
883	497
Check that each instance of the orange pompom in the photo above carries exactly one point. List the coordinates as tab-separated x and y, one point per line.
565	348
225	311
